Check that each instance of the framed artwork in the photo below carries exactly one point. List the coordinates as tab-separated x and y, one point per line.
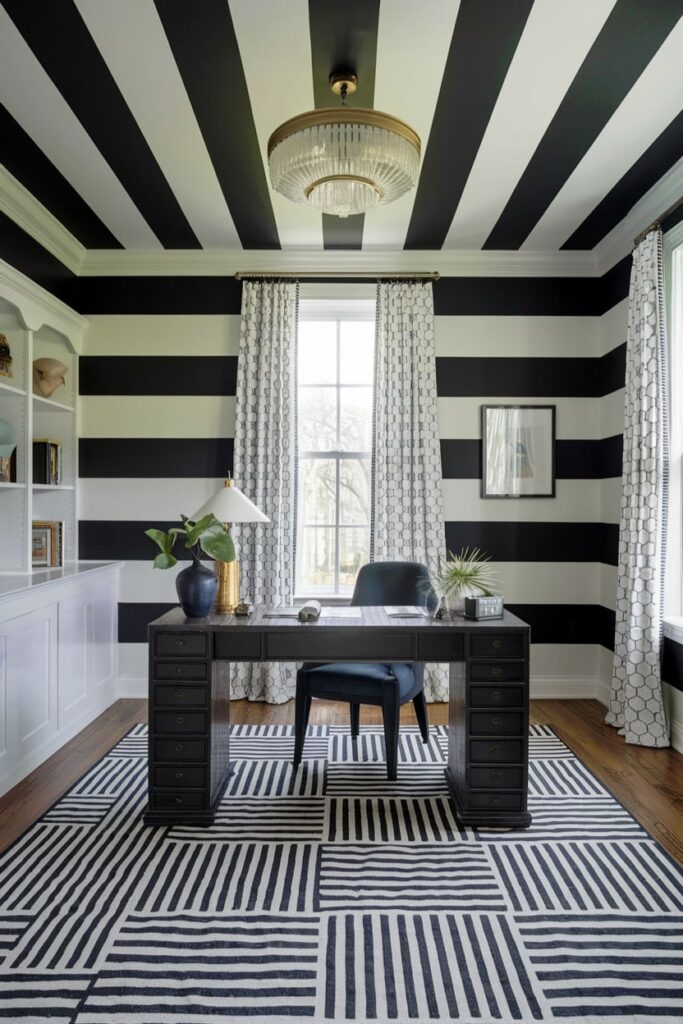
41	549
518	451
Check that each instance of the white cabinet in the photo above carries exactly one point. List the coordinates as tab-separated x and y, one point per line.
58	666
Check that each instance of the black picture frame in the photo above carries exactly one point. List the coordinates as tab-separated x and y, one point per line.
488	487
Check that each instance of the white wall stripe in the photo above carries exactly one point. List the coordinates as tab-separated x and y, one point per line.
612	329
413	40
157	416
577	418
612	414
277	67
649	107
576	501
554	43
131	38
34	101
142	498
517	336
162	335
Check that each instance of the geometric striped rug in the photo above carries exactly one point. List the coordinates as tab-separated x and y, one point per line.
330	894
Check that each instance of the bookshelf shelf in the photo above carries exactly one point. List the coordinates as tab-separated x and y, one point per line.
52	487
10	391
11	486
50	405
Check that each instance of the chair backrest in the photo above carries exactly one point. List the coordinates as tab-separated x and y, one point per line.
391	583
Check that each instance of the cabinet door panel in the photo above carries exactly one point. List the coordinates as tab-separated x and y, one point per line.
73	658
31	667
102	622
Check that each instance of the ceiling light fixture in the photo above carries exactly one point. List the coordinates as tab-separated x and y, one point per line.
343	160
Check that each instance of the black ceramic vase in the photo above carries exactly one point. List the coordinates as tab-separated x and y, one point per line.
197	587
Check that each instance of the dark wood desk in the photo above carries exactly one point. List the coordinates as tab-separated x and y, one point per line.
189	701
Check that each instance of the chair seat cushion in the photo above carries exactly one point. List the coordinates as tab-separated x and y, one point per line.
350	680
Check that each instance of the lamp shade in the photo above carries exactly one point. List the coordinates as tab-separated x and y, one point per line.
229	505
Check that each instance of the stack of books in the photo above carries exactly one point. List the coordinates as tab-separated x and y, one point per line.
48	544
47	461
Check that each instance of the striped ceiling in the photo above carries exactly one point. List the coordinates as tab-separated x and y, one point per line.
143	124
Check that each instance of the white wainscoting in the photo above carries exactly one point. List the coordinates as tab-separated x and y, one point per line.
58	665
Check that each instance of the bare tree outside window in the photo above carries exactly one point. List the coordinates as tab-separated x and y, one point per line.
335	402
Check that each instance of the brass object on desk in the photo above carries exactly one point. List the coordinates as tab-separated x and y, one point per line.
228	595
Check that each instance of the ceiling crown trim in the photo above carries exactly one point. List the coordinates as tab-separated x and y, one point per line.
37	221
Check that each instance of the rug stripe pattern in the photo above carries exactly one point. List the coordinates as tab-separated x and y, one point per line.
329	894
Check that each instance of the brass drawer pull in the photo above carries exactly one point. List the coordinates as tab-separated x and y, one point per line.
180	694
493	799
497	671
180	643
497	644
179	801
497	695
179	747
179	669
495	748
180	775
180	719
496	720
496	775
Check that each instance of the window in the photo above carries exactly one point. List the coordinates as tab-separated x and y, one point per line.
335	401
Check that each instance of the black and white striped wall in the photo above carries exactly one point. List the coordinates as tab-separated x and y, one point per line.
157	421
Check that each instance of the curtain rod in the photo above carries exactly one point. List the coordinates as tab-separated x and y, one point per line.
243	275
658	223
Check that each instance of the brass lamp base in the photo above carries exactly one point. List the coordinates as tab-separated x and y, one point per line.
228	595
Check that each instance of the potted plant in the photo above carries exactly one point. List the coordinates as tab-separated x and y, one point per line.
467	574
197	585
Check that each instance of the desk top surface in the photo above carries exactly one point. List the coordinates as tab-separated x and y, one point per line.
370	618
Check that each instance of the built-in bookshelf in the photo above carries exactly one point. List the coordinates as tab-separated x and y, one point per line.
24	500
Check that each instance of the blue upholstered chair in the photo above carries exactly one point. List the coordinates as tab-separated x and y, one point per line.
389	686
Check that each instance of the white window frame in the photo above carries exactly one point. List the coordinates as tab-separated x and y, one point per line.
673	271
332	309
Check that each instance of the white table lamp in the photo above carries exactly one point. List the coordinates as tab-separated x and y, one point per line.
229	506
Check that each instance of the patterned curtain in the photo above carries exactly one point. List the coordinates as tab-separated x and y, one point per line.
636	704
407	514
265	465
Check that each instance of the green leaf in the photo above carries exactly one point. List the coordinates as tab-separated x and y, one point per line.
165	560
218	544
197	529
164	540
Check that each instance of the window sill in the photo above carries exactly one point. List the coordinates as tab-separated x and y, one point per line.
673	628
330	599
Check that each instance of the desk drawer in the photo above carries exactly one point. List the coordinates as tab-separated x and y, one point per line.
496	778
184	724
497	672
196	670
237	646
174	800
191	776
497	697
182	645
181	696
497	645
496	723
502	801
440	647
180	750
316	643
496	751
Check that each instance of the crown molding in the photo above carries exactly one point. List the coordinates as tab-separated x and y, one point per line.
37	307
619	242
226	262
26	211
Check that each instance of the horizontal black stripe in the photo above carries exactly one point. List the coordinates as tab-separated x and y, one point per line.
23	253
200	295
536	542
614	284
672	664
62	43
475	69
574	460
567	623
664	152
29	165
152	457
134	618
550	623
627	42
157	375
518	296
530	376
504	542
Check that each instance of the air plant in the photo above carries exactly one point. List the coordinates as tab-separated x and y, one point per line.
467	574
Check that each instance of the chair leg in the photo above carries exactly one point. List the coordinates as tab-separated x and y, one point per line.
301	713
391	712
355	719
420	705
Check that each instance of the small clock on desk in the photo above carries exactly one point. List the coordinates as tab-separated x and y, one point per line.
243	609
484	607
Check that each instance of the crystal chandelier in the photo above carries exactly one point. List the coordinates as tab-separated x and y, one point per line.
343	160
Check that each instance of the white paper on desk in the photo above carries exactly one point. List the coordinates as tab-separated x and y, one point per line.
283	611
404	611
340	612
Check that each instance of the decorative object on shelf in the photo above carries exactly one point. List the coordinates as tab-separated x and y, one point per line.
5	357
518	451
229	506
467	574
243	610
343	160
47	461
48	375
8	445
47	550
197	585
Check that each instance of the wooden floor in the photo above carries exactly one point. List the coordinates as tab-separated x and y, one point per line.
648	782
